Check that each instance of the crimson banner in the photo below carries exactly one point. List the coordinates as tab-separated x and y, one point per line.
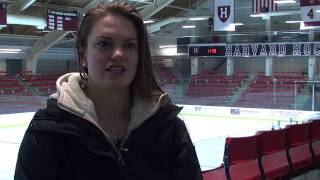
3	13
263	6
310	12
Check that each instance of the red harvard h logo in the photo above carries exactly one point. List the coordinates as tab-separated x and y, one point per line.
223	13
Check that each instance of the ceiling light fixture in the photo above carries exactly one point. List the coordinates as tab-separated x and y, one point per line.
285	1
10	51
238	24
167	46
197	18
148	21
188	26
258	15
292	22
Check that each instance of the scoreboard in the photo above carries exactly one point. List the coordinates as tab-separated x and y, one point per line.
60	20
213	50
255	49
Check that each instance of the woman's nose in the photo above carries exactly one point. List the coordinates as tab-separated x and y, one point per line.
118	52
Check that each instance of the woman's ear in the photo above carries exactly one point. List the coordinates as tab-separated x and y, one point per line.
82	57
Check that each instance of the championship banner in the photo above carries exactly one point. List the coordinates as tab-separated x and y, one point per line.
263	6
3	13
223	13
310	12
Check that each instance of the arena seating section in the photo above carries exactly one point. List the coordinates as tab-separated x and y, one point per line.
275	92
165	78
205	88
44	82
211	88
9	85
274	154
24	91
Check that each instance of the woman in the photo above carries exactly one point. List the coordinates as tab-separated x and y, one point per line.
111	121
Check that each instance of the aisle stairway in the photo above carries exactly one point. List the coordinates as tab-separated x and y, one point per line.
31	89
237	94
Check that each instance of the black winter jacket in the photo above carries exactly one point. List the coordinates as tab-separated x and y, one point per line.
59	145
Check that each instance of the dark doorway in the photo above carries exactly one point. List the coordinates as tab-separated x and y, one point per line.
13	66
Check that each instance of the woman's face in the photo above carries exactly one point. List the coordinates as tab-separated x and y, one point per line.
112	52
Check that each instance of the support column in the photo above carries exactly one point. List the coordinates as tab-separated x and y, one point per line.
269	59
194	65
311	67
230	65
31	64
3	65
269	66
230	60
311	59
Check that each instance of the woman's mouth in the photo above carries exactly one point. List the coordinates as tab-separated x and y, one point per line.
115	68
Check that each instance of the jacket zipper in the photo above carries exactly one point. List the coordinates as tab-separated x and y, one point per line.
113	146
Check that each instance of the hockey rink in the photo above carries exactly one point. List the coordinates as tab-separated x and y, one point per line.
207	131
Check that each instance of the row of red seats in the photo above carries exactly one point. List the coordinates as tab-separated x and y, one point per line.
210	83
278	81
263	85
164	75
9	85
261	91
22	92
283	86
208	94
44	82
285	75
40	77
42	73
271	94
204	74
3	73
270	99
274	154
206	100
213	81
214	73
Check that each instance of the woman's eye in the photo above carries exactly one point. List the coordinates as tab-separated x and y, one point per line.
130	45
103	44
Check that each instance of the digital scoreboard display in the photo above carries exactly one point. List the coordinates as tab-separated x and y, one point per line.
207	51
61	20
256	49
